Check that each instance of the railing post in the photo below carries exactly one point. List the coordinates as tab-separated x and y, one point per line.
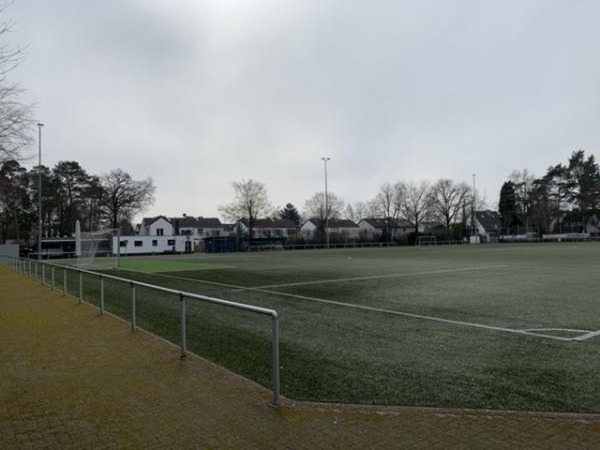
43	273
101	295
65	281
182	324
80	287
53	277
132	307
275	343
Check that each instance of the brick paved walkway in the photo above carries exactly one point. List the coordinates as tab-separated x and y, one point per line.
70	378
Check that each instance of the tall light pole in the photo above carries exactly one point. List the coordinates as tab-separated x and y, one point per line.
473	231
325	159
39	246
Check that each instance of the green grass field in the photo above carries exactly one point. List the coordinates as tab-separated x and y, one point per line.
488	326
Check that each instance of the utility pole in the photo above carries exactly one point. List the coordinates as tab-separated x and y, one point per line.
325	159
39	246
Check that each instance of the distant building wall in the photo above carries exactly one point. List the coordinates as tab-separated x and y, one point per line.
9	250
135	245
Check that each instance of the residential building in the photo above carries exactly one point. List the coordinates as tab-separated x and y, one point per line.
373	229
156	226
488	225
340	230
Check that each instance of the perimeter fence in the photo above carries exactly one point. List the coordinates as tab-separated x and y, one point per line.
91	287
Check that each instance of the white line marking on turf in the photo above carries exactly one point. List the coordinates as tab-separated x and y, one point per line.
416	316
198	280
376	277
383	310
589	335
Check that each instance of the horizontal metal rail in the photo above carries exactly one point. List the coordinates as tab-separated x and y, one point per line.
25	266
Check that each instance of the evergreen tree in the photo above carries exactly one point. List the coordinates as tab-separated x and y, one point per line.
290	212
508	207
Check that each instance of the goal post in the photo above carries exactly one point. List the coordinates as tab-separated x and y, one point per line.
426	240
94	249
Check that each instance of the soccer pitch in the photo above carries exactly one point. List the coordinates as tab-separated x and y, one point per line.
487	326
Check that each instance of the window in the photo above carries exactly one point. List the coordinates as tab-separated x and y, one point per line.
160	232
171	242
138	243
154	243
123	243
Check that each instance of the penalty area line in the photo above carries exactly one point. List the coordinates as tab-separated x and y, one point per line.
586	336
416	316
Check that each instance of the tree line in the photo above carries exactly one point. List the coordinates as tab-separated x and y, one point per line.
69	194
565	199
446	202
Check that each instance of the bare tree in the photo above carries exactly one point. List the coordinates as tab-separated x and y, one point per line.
388	204
124	197
251	201
447	200
314	208
16	122
417	202
523	184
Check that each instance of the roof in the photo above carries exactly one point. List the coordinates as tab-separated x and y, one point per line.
274	223
184	222
193	222
383	223
341	223
489	220
147	221
209	222
334	223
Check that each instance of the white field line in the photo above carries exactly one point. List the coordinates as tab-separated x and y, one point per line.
416	316
374	277
382	310
197	280
589	335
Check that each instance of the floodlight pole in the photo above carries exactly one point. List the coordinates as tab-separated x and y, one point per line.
39	246
473	233
325	159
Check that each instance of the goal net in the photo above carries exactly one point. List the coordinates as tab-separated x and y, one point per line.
94	249
426	240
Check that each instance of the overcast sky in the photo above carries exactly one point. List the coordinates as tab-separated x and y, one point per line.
199	93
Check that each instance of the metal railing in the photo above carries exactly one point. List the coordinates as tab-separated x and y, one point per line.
38	270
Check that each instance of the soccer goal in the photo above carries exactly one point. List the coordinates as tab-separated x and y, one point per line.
426	240
94	249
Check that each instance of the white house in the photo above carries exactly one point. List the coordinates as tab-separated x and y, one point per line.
198	228
135	245
373	228
488	225
156	226
339	229
271	228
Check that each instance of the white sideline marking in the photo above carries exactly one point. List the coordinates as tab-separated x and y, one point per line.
383	310
589	335
416	316
197	280
375	277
